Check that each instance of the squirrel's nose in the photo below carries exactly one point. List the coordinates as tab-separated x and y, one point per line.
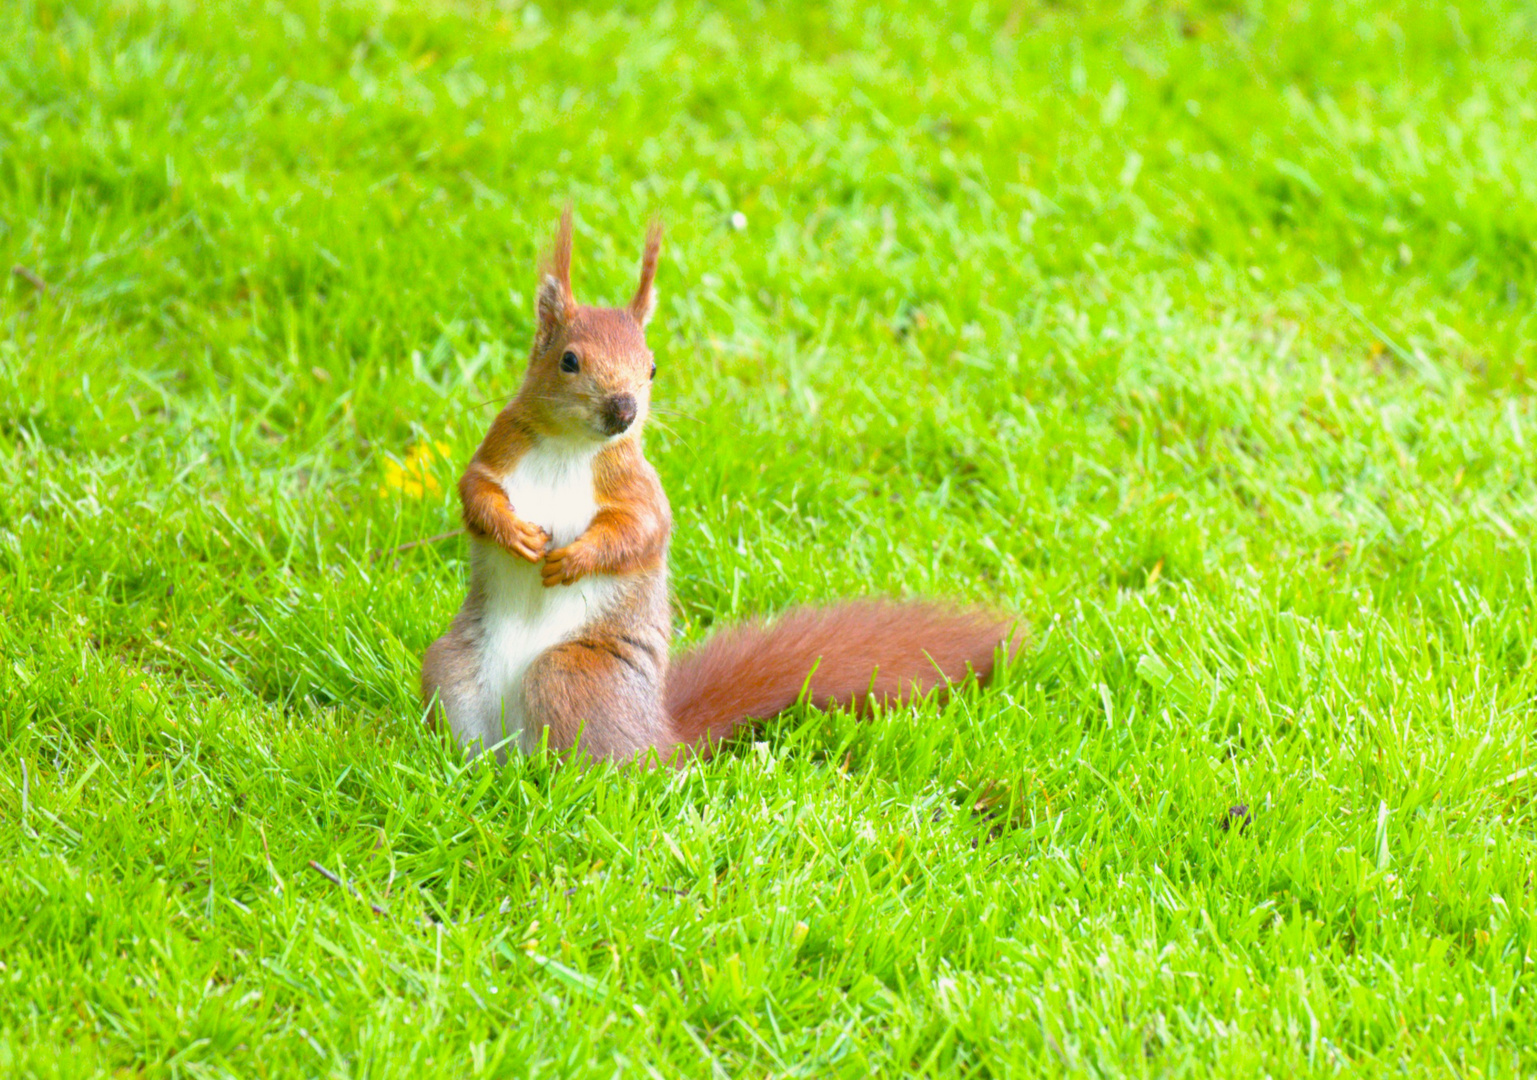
618	413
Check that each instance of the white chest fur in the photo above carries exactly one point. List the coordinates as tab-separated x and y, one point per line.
551	486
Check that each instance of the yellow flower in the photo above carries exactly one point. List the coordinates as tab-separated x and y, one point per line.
413	477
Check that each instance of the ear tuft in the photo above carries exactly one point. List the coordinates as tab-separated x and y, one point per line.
643	305
555	302
642	310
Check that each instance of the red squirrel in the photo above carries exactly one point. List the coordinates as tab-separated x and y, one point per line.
566	630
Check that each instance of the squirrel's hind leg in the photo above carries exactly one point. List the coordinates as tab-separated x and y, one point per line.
451	684
600	694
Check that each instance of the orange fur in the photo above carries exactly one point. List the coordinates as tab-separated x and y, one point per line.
846	655
629	532
644	301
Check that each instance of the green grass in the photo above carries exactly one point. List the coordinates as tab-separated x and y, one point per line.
1202	336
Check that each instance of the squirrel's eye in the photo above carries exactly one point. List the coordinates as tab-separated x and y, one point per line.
653	371
569	362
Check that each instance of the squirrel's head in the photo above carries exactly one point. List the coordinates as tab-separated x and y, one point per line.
589	373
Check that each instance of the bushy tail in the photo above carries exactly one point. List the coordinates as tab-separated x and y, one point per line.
852	653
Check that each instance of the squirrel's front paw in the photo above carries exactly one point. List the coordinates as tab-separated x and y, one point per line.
565	565
525	540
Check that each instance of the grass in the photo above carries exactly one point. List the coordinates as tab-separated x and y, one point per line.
1201	335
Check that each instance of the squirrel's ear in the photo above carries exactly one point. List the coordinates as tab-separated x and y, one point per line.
554	301
644	303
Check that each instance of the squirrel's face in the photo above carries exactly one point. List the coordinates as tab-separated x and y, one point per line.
592	376
589	374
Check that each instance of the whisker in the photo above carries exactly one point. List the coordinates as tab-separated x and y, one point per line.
679	439
677	414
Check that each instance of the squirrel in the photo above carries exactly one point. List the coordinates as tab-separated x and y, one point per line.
564	636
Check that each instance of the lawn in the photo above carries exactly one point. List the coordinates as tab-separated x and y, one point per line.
1201	335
